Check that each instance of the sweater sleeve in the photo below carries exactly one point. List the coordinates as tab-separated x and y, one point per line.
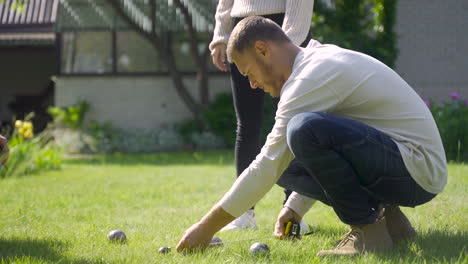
224	23
297	19
299	203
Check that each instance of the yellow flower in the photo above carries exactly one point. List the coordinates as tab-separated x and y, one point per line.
18	123
28	134
28	124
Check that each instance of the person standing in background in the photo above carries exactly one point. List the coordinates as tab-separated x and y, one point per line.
294	17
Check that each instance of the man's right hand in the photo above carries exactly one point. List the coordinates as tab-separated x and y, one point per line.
285	215
218	54
5	151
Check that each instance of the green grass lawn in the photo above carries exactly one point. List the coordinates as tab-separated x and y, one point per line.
64	216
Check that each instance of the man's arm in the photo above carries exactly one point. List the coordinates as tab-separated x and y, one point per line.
200	234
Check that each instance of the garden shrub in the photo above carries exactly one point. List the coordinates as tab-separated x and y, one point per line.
72	116
207	140
74	135
452	120
221	118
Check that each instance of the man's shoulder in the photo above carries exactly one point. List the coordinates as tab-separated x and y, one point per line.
317	61
313	44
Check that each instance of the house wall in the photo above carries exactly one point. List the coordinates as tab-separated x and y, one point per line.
433	44
132	102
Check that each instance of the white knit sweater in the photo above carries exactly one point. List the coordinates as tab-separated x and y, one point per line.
296	24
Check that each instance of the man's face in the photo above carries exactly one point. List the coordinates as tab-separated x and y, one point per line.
260	71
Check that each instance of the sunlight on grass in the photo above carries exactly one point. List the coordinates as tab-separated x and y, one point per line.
64	216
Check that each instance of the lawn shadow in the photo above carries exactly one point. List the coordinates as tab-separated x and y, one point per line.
434	245
13	249
157	159
429	246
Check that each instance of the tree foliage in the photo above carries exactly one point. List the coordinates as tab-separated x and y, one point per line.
363	25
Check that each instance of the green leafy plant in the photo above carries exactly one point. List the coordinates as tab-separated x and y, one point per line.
452	120
72	116
75	135
30	154
221	119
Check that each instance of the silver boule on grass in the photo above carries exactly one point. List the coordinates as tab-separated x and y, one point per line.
117	236
259	248
216	242
164	250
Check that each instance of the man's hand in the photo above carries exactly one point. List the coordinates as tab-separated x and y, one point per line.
5	150
285	215
196	237
218	55
199	235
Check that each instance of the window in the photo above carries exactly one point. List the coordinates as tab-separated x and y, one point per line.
123	52
86	52
136	54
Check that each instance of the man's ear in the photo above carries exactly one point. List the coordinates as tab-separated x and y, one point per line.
261	48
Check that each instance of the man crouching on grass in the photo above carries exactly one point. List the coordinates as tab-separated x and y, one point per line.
349	132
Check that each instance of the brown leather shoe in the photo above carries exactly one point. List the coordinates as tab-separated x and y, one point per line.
362	238
398	225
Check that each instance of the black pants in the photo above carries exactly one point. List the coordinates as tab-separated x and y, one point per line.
248	104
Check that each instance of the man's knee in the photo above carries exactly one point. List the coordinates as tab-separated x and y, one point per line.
302	130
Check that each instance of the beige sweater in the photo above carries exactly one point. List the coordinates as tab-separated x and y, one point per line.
296	24
329	79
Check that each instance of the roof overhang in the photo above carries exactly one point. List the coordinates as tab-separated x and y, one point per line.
31	38
31	25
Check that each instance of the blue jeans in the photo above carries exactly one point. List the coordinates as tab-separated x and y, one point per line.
348	165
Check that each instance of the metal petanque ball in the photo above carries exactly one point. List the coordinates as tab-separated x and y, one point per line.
259	248
117	236
164	250
216	242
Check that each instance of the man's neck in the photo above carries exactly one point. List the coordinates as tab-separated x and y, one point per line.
287	56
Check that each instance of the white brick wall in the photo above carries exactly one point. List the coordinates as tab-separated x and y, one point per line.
132	102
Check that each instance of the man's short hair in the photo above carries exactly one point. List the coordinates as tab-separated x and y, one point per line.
252	29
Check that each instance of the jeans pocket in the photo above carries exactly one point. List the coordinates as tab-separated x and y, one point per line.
393	190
